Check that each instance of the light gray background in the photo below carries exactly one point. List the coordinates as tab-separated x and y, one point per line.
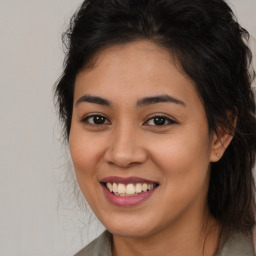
32	159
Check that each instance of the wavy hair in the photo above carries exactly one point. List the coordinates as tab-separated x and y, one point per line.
212	50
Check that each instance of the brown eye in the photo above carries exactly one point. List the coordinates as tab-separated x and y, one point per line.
160	121
96	120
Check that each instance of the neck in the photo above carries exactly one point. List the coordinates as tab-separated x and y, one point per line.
194	239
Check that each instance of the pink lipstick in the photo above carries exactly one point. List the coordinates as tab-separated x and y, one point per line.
129	191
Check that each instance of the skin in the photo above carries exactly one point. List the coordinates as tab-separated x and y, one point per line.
129	143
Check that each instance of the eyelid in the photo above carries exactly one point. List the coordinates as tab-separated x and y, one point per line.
147	119
91	115
167	117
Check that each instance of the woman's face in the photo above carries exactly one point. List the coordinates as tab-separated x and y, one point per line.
140	129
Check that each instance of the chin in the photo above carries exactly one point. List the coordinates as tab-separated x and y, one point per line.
130	228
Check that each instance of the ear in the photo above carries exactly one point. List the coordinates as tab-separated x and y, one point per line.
221	140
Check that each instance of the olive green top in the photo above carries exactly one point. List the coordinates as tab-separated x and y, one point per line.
237	245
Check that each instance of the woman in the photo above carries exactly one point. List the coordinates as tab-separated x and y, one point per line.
159	114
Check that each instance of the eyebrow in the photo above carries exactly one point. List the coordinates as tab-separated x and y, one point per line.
159	99
140	103
94	99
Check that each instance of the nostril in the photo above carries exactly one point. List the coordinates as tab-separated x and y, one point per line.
125	161
125	153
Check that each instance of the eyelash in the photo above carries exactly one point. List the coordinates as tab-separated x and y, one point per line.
166	119
152	118
85	120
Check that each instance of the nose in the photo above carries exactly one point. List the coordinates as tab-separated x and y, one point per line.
125	148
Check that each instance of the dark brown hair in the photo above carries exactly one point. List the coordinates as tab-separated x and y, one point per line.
212	49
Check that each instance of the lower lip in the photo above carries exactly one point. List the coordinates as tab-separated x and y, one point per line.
127	200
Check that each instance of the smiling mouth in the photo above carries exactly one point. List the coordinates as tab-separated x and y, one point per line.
128	190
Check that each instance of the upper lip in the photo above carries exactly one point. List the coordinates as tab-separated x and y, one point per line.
127	180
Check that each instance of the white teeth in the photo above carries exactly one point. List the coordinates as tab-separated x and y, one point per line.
115	190
138	188
145	187
129	189
110	187
121	188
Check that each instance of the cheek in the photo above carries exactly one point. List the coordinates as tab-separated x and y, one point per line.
86	152
184	166
183	157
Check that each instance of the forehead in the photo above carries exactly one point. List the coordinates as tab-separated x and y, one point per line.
136	69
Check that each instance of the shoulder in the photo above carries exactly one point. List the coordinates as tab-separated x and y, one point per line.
101	246
238	245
